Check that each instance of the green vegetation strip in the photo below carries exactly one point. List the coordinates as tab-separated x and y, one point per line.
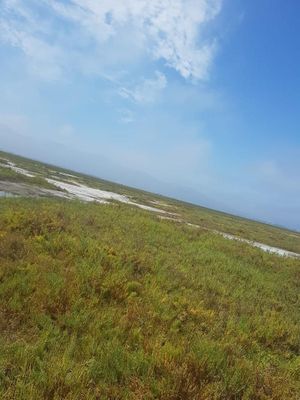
107	302
206	218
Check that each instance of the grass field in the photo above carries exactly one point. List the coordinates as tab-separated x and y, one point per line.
109	302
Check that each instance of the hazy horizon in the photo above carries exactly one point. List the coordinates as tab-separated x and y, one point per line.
167	191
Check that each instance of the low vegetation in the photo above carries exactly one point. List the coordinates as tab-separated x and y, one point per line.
7	174
109	302
206	218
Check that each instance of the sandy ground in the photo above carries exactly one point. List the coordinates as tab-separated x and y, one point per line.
23	189
266	248
13	166
87	193
67	175
161	203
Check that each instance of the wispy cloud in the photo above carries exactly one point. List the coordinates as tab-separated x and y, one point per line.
127	116
165	30
20	28
147	90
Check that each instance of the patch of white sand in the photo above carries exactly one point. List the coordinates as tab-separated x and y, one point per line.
160	203
68	175
153	209
266	248
19	170
57	174
23	189
262	246
171	219
86	193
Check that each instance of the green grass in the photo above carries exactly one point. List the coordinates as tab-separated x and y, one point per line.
108	302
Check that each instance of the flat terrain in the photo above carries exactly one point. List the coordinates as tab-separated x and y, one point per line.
138	297
37	179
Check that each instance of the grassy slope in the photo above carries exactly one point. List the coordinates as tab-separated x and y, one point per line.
244	228
210	219
108	302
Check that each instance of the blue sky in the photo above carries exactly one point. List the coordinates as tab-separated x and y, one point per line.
196	99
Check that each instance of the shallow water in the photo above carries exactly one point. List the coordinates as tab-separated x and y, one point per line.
5	194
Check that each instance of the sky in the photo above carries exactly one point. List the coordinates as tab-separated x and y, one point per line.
194	99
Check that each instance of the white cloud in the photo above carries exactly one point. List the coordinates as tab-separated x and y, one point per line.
167	30
127	116
147	90
20	28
